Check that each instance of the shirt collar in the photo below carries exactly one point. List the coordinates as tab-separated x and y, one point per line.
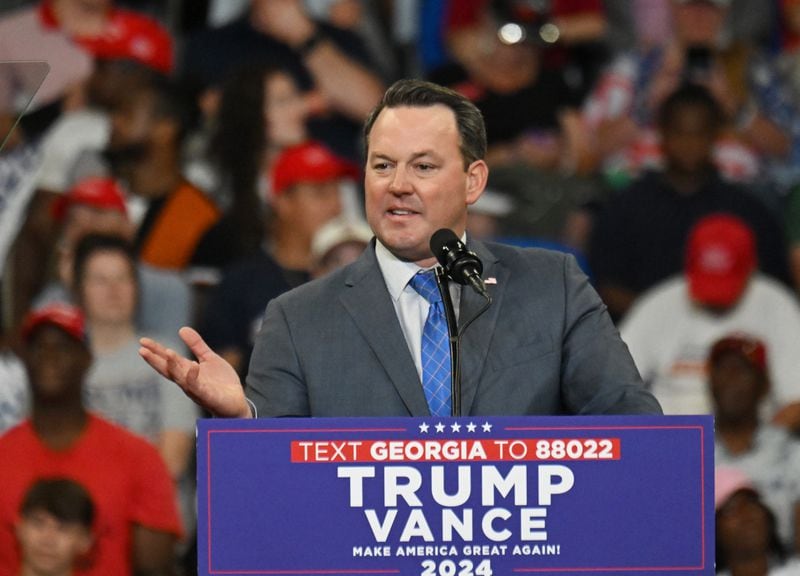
397	273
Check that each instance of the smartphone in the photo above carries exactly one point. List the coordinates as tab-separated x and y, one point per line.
698	63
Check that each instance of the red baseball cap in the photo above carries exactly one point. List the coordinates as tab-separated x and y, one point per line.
96	192
133	36
720	257
309	162
64	316
750	348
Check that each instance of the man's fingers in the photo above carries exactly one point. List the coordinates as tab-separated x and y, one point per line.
178	368
195	342
165	361
157	361
151	345
157	355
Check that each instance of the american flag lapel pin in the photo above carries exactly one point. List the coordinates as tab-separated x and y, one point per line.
490	280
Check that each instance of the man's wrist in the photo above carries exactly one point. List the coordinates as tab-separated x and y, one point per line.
248	410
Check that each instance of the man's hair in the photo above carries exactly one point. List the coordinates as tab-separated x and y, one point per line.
63	498
420	93
91	244
690	95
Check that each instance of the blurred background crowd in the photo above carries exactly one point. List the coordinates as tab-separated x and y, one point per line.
172	162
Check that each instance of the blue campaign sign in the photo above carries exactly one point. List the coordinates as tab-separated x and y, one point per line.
463	496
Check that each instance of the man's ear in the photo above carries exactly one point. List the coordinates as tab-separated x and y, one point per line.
85	542
477	177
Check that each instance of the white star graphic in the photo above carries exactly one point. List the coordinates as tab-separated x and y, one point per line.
471	427
486	427
439	427
455	427
423	428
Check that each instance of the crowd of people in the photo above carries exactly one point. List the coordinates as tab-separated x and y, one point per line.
156	175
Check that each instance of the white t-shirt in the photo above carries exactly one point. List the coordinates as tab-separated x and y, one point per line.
14	395
127	391
670	338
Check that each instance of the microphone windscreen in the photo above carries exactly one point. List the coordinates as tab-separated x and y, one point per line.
442	241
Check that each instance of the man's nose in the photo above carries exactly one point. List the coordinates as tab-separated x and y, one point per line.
400	184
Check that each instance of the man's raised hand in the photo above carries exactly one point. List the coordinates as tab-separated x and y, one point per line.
210	381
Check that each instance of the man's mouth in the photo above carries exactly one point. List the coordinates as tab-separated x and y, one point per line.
401	212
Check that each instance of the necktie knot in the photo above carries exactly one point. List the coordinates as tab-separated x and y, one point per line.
425	285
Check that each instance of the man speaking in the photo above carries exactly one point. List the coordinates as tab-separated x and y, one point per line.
371	339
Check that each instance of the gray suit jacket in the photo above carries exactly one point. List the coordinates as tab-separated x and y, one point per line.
334	347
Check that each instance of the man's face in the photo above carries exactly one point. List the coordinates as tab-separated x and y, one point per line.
56	364
306	206
415	180
736	386
50	546
688	142
743	526
132	121
108	288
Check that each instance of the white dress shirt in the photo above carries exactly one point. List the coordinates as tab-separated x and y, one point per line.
410	307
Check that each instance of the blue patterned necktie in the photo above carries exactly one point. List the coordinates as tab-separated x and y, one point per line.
435	346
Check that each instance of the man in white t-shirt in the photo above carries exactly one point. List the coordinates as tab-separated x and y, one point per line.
671	327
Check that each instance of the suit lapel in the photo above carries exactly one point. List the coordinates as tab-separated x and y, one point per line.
369	304
478	335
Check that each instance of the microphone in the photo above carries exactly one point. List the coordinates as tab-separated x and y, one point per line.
460	264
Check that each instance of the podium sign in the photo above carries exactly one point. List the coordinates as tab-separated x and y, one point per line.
456	496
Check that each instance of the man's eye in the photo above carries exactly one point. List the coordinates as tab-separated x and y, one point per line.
380	166
425	167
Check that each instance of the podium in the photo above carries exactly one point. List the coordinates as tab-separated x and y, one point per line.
460	496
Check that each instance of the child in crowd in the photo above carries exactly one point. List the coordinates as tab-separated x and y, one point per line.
55	527
746	531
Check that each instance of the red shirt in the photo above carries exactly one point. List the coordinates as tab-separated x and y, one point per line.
124	474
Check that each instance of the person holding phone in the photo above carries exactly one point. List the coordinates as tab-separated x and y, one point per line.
762	126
